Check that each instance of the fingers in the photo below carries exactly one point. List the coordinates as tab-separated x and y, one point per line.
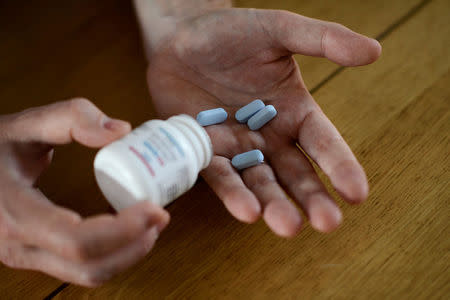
102	270
37	222
90	273
278	212
234	138
229	187
303	35
300	180
63	122
322	142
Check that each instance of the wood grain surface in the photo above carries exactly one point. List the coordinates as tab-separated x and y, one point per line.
395	115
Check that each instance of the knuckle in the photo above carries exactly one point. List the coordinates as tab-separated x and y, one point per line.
282	14
326	144
133	229
10	258
336	26
306	186
78	250
221	172
147	208
7	229
280	20
84	111
260	176
79	106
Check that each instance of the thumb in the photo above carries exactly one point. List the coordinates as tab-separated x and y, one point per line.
62	123
307	36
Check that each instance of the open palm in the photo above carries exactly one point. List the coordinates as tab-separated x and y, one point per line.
227	58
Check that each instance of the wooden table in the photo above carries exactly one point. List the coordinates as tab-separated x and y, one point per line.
395	114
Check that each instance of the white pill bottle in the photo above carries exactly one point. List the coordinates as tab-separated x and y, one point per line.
158	161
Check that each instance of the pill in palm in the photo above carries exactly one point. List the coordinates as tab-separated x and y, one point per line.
247	159
212	116
262	117
244	113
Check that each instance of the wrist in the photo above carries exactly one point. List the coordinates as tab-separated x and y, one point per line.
179	9
158	18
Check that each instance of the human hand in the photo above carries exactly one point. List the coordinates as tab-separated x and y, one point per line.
36	234
229	57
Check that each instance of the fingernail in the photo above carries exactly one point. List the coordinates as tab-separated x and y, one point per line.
349	179
115	124
324	215
163	222
155	231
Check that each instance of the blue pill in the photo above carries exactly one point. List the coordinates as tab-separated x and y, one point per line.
212	116
262	117
247	159
244	113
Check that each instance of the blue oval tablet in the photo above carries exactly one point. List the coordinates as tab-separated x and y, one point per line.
245	112
247	159
212	116
262	117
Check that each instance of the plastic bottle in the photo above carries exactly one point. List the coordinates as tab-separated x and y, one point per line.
158	161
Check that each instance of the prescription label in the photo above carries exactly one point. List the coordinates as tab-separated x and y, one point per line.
163	157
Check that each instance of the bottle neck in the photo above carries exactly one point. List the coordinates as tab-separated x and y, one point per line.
198	137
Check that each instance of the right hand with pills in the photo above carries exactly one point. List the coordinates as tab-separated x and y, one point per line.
217	56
